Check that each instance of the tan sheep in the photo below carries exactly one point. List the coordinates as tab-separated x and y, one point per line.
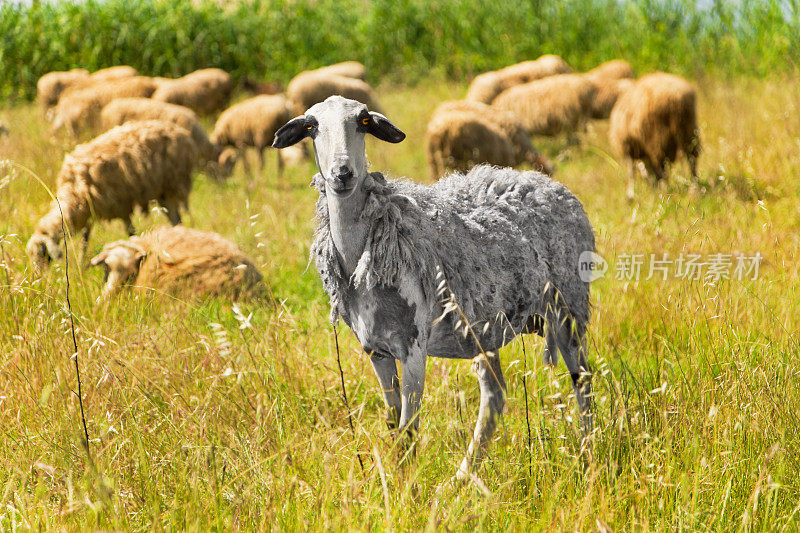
179	261
311	87
252	123
114	73
79	110
487	86
348	69
108	177
205	91
611	79
124	110
462	134
51	85
550	106
654	121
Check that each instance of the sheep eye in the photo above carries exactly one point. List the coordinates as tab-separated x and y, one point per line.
309	127
365	121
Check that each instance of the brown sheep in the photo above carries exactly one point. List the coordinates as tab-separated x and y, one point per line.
654	121
79	110
204	91
51	85
487	86
251	123
124	110
179	261
108	177
611	79
552	105
462	134
311	87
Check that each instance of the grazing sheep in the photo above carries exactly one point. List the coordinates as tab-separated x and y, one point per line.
462	134
111	175
204	91
124	110
114	73
251	123
79	110
550	106
348	69
611	79
653	121
51	85
311	87
487	86
505	244
179	260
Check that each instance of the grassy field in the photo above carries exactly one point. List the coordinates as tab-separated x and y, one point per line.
201	417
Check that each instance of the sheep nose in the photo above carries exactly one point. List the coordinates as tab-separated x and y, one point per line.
343	173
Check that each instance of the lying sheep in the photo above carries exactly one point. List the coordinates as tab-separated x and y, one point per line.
51	85
487	86
204	91
124	110
79	110
311	87
108	177
348	69
395	255
550	106
653	121
251	123
462	134
179	260
611	79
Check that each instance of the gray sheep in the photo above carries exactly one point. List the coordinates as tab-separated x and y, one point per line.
505	244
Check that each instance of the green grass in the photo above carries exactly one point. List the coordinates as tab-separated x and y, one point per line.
198	424
400	39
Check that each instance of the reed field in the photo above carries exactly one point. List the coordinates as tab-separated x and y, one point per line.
203	415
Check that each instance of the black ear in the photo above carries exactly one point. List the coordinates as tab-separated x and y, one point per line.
382	128
293	132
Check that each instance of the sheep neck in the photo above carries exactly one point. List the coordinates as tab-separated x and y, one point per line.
348	228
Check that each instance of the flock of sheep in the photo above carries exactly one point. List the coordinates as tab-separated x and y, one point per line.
506	243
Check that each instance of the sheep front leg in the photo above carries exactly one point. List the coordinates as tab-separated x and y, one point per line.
386	370
493	401
412	388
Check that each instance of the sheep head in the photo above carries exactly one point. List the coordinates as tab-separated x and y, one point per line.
121	261
337	128
43	249
226	160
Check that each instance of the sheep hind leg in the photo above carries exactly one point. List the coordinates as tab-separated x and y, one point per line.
573	351
386	371
493	392
631	179
85	242
129	227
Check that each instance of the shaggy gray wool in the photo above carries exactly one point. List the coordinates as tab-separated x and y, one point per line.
506	241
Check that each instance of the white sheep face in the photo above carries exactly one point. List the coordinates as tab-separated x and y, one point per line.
337	127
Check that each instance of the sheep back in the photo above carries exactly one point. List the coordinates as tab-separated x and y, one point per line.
252	122
655	119
348	69
310	87
124	110
615	69
205	91
550	106
114	73
487	86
